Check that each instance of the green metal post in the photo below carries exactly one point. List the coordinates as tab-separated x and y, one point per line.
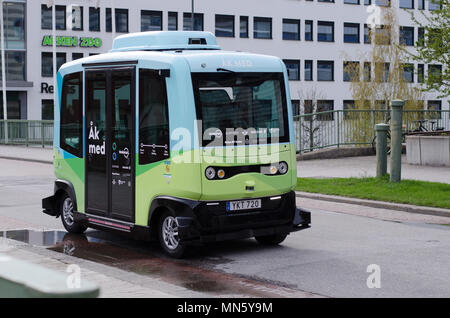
338	131
381	132
396	140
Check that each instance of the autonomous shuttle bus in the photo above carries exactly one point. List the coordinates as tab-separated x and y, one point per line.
169	137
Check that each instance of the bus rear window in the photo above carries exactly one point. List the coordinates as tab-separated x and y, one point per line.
241	108
71	115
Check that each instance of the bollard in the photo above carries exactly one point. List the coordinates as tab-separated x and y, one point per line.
381	131
396	140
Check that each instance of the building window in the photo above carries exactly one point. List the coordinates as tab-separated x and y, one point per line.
291	29
332	1
46	17
121	20
153	116
325	31
406	36
225	25
187	22
407	4
367	72
325	70
381	72
435	72
434	105
71	127
262	28
77	56
47	63
172	19
308	70
421	4
151	20
408	73
382	35
94	19
14	29
367	34
77	18
351	1
325	106
47	109
420	73
348	105
351	32
367	2
243	25
420	36
383	3
308	30
351	71
293	69
295	107
434	5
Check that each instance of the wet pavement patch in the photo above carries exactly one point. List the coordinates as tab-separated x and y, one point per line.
145	259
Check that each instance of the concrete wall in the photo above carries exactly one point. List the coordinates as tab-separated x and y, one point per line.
428	150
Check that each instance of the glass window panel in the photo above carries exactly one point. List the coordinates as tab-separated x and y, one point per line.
94	19
151	20
173	21
351	33
244	27
225	25
77	18
187	21
291	29
14	25
325	31
121	20
47	109
308	30
308	70
262	28
293	68
325	70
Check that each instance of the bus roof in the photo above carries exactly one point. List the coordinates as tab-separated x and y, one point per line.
198	49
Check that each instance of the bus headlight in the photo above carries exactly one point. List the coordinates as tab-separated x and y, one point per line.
282	167
210	173
221	173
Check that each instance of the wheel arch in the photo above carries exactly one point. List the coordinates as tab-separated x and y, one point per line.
62	187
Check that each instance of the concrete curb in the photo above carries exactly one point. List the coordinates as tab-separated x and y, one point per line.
376	204
27	159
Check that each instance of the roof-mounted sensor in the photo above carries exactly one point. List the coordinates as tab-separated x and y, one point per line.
165	41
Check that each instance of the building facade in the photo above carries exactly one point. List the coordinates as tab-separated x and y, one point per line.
314	38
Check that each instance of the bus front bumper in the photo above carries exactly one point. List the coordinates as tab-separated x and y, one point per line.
213	224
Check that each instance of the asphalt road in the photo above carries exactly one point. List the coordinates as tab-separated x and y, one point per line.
330	259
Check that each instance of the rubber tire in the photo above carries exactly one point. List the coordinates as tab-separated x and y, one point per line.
75	228
269	240
180	251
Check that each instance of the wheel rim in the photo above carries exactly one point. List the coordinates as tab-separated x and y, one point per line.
170	233
68	211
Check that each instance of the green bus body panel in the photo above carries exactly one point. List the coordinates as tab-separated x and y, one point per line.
71	170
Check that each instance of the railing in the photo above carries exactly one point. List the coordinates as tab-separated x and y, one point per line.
27	132
356	127
313	131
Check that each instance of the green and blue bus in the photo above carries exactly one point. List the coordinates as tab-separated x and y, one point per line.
168	137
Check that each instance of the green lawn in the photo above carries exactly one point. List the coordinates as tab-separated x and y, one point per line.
408	191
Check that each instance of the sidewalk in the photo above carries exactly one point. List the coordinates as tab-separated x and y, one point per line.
320	168
366	167
31	153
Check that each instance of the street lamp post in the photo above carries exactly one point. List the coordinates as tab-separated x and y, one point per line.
5	105
192	15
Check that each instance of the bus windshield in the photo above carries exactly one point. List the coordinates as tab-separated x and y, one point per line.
241	108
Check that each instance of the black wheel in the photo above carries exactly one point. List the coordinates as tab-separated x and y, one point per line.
66	210
274	239
168	235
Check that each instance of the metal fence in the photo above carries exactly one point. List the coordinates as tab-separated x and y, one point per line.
27	132
356	127
313	131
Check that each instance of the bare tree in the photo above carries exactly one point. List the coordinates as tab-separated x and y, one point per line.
311	122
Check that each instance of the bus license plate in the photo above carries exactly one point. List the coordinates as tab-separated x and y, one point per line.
243	205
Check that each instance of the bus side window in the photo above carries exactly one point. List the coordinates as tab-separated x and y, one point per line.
153	118
71	129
